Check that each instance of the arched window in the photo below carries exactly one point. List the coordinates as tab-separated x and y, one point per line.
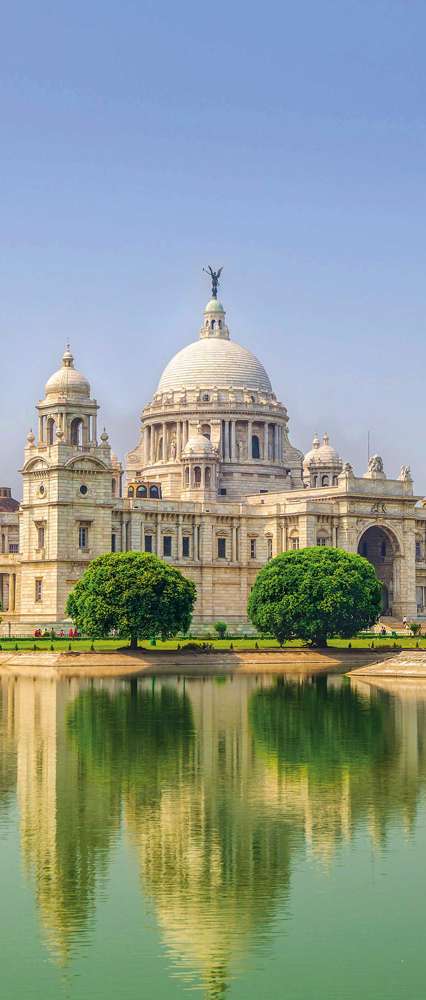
315	481
294	540
197	476
160	449
213	324
130	492
154	492
76	431
208	476
219	322
325	481
418	550
205	430
255	446
322	539
187	476
141	491
383	550
114	487
269	547
335	483
51	428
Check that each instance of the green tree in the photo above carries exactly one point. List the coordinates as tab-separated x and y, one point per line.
221	628
135	593
315	593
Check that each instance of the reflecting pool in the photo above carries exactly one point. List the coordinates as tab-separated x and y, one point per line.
239	838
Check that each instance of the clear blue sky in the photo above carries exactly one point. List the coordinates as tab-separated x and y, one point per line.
143	140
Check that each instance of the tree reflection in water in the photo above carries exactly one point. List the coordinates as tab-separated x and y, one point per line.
345	751
219	788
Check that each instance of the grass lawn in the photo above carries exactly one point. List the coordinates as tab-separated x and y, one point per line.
82	645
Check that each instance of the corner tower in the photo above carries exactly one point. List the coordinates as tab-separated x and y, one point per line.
67	495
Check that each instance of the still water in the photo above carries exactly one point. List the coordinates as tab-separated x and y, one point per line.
245	838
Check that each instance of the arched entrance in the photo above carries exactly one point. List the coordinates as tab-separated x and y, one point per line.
378	546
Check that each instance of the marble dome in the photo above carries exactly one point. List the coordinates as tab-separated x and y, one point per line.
214	361
67	380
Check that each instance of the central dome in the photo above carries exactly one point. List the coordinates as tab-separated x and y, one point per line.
214	362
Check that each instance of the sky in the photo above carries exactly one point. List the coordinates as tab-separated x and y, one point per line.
142	141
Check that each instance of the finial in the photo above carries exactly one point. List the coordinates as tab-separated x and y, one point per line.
215	275
316	441
30	438
326	439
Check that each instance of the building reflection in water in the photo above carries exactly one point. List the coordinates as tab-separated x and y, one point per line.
218	787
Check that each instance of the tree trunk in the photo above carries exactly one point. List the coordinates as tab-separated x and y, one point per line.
320	642
133	642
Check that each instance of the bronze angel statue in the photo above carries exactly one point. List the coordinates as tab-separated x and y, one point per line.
215	275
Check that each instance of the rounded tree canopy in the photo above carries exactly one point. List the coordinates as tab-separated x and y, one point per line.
315	593
134	593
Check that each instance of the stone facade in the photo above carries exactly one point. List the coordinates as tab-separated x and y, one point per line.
214	486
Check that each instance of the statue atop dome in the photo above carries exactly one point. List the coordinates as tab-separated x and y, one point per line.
215	275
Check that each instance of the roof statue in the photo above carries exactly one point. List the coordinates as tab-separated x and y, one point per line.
215	275
375	464
405	474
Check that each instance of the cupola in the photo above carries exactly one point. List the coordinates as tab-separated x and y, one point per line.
321	465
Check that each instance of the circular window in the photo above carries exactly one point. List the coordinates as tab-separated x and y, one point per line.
42	490
83	489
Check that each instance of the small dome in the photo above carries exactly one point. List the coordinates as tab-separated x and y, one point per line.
67	381
322	454
214	306
199	445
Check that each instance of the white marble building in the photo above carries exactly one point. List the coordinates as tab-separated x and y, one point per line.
214	485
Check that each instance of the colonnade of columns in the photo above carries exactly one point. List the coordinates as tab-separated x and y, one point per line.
174	436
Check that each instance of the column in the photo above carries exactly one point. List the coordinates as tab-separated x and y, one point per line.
249	437
123	536
12	590
164	432
233	441
275	448
194	541
234	552
178	439
158	539
265	441
226	439
151	444
179	537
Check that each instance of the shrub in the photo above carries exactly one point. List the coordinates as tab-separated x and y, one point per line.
221	628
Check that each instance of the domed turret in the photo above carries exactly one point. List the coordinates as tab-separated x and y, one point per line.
67	381
200	461
322	464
